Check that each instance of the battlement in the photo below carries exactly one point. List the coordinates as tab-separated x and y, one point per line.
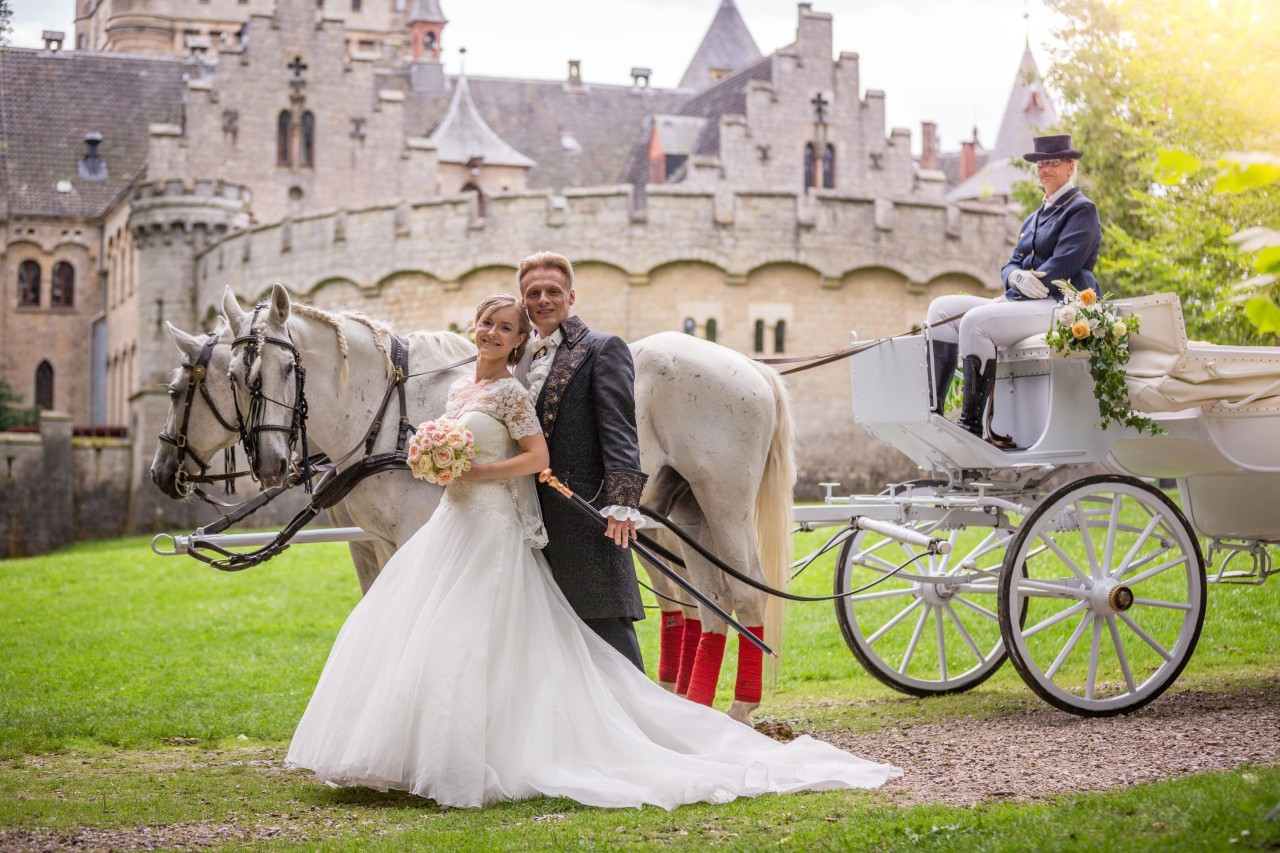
213	207
446	239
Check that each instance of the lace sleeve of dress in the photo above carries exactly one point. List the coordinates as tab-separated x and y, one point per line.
455	401
515	410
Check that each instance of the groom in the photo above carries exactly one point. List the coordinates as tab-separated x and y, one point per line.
583	383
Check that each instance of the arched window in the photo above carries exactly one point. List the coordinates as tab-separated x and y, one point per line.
284	128
29	283
308	140
44	385
711	330
808	165
63	291
780	336
690	326
759	341
829	166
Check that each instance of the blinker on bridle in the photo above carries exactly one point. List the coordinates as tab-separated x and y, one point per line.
252	427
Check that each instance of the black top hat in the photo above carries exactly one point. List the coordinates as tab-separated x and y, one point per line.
1052	148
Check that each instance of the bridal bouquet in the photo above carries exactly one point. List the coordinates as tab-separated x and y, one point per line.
441	451
1086	323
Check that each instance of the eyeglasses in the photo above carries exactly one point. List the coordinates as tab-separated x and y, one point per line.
1052	164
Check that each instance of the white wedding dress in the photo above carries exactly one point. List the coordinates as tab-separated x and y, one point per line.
464	676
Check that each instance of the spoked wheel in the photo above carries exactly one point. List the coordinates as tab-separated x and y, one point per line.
923	638
1108	579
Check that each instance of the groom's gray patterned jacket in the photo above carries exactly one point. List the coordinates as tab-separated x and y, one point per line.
588	414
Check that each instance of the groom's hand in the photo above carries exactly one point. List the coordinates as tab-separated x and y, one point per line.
623	533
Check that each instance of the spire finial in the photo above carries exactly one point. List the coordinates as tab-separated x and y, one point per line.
462	60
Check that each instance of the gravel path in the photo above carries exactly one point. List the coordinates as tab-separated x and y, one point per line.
1035	754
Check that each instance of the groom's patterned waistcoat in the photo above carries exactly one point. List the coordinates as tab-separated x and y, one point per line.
587	410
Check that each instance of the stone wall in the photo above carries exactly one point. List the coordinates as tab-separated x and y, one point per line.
824	264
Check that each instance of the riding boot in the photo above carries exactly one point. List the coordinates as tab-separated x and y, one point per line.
945	356
979	379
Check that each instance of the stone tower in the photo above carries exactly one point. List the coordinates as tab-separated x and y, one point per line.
426	23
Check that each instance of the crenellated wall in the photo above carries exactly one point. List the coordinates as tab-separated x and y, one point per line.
824	264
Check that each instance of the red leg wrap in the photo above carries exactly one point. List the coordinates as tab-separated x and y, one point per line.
669	651
688	650
750	667
706	668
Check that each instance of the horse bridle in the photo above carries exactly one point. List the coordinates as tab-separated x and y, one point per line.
197	373
251	427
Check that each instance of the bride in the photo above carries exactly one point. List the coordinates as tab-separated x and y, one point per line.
464	675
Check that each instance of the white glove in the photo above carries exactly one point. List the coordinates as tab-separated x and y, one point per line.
1029	284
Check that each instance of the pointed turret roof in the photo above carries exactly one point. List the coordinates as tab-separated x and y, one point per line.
426	10
1029	112
728	45
463	135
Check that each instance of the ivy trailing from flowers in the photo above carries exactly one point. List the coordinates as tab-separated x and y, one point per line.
1086	323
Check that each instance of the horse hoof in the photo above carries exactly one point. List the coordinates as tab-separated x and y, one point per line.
669	686
741	711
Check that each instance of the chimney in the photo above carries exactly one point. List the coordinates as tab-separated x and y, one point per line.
53	39
968	160
640	77
928	145
93	167
575	72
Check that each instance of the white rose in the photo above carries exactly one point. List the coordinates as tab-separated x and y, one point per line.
1120	329
1067	315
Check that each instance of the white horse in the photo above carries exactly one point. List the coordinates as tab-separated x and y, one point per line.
715	431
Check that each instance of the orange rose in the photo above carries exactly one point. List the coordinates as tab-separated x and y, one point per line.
1080	328
1088	297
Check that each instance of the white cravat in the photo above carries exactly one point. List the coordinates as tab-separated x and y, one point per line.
1061	191
544	351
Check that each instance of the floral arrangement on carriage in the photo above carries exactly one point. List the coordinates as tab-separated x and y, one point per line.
441	451
1087	323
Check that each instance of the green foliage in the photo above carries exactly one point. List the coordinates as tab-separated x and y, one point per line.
1151	93
10	412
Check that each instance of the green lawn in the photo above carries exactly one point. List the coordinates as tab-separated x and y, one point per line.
137	690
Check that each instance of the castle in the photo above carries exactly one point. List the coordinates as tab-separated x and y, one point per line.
186	145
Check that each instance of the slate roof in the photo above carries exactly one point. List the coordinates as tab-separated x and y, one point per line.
49	101
546	120
728	45
1029	112
427	11
463	135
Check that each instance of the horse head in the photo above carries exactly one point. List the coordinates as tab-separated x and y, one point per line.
201	417
268	383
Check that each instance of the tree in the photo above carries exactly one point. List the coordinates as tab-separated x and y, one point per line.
1192	75
10	413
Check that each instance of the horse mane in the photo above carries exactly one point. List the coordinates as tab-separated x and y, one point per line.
450	343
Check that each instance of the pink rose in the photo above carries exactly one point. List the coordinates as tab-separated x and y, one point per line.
442	457
469	452
415	451
454	438
445	477
435	435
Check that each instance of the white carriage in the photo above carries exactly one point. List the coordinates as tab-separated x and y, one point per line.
1062	556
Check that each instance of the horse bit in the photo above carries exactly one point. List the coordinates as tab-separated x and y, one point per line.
197	374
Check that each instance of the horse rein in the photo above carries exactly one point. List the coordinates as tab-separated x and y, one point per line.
197	373
828	357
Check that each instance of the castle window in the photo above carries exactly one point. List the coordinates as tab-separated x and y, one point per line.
63	291
44	385
690	326
308	140
808	165
355	5
470	187
780	336
829	166
284	126
711	330
759	338
29	284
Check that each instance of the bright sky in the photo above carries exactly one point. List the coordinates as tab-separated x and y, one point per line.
948	61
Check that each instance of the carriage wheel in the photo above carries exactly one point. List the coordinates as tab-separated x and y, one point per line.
923	638
1110	585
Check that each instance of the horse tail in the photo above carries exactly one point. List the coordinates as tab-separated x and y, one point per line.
773	505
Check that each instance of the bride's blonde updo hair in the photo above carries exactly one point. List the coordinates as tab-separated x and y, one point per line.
524	326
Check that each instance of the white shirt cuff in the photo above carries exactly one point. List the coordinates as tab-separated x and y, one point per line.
624	513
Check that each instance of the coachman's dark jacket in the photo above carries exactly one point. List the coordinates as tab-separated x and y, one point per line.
588	414
1061	241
